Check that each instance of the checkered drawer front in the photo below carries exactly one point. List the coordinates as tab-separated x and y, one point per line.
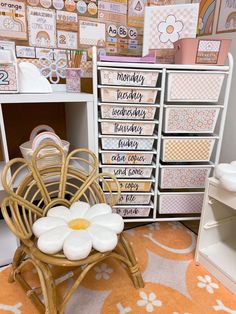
127	143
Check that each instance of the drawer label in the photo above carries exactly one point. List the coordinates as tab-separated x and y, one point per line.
131	95
136	112
128	158
128	128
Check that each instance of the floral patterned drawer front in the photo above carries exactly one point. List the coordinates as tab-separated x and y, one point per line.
184	86
129	172
132	199
129	95
191	119
184	177
128	128
127	158
128	112
132	211
127	143
8	78
187	149
128	77
180	203
130	185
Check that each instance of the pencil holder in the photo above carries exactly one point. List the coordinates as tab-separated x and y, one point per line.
73	76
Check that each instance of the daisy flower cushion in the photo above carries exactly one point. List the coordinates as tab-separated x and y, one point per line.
78	229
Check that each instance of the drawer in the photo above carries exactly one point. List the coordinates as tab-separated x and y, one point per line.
127	185
194	86
127	127
119	111
129	158
129	171
180	203
132	198
128	77
174	177
187	149
127	143
128	94
181	119
132	211
220	194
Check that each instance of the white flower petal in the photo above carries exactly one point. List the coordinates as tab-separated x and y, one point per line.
98	276
104	267
149	308
200	278
105	276
171	20
214	285
98	209
45	224
60	212
162	27
208	278
141	302
157	303
103	239
51	242
79	209
152	296
97	269
178	26
77	245
173	37
164	37
143	295
210	289
111	221
201	285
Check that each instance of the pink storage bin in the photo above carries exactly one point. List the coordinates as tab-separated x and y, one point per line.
180	203
201	51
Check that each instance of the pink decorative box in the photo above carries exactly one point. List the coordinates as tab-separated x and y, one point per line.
127	127
185	119
135	112
129	171
132	198
127	158
180	203
175	177
201	51
131	211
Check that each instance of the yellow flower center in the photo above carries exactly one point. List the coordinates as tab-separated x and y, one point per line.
170	29
78	224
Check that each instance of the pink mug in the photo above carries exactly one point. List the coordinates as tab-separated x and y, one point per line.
73	76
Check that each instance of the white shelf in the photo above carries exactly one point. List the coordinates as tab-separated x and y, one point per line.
59	96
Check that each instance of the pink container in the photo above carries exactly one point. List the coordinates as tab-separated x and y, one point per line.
201	51
73	76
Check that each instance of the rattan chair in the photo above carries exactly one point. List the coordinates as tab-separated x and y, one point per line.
33	188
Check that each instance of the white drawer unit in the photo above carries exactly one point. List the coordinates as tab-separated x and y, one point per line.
159	131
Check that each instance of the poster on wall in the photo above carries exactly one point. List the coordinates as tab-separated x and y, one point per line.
206	16
67	40
42	27
227	16
163	25
13	19
91	33
136	12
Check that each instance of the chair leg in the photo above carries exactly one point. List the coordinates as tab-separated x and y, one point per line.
133	269
17	259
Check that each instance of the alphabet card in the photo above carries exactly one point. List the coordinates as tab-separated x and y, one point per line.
13	19
164	25
42	27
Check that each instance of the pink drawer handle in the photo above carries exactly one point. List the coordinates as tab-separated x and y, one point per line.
40	128
46	136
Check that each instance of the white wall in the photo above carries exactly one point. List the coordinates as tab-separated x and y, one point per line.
228	151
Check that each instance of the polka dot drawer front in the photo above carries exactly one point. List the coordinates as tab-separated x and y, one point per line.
181	203
127	143
184	177
137	95
190	119
187	149
137	158
128	77
199	86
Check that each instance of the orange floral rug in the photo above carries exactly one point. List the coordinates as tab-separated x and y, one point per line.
173	283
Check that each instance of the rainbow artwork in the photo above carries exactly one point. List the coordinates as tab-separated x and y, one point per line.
227	17
206	17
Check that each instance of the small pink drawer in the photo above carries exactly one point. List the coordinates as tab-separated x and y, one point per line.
135	112
127	158
132	211
129	171
132	198
127	185
185	119
187	149
180	203
194	86
127	143
175	177
133	95
128	77
127	127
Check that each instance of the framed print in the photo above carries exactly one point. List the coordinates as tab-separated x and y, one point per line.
227	17
13	19
206	17
42	27
164	25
